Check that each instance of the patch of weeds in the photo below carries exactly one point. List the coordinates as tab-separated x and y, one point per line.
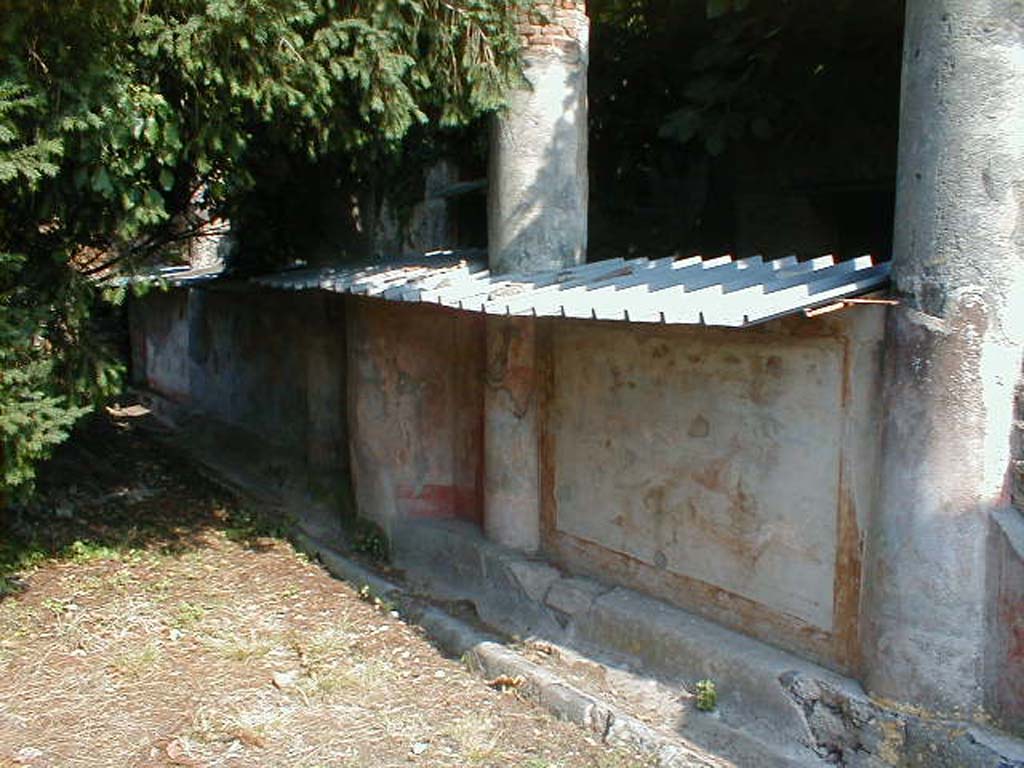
247	649
246	526
707	695
56	606
121	580
327	680
382	603
477	739
618	759
325	646
162	586
254	728
81	552
16	559
188	615
137	662
369	539
10	584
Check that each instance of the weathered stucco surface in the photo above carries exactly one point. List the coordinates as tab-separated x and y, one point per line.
1005	651
270	363
511	436
720	470
160	344
715	457
415	404
537	200
954	351
248	360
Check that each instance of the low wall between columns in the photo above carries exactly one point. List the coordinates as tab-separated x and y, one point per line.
730	472
415	409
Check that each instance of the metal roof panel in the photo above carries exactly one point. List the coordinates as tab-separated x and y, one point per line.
720	291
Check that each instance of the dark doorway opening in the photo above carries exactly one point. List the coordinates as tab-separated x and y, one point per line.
743	126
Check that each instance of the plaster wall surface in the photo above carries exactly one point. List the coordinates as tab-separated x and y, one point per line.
511	434
248	361
269	363
415	403
160	344
1005	652
728	472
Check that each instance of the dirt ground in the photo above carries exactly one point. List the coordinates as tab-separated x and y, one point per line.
147	619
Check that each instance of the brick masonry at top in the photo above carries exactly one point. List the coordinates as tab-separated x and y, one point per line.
561	25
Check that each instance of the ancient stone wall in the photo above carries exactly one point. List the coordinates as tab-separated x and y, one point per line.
728	472
270	364
415	410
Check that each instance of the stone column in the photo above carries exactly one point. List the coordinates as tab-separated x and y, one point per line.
511	439
537	200
954	351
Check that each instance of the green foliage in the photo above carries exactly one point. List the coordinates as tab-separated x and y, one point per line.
369	539
707	695
34	414
119	118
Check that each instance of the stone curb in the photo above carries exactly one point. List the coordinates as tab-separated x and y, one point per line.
489	658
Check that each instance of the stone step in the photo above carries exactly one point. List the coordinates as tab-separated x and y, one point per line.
797	711
644	657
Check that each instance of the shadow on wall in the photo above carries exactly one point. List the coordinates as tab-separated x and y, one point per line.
258	378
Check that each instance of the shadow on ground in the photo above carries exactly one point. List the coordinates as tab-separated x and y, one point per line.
113	489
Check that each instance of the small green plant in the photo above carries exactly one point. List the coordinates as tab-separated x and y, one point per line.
369	539
707	696
246	526
80	552
55	606
188	615
381	603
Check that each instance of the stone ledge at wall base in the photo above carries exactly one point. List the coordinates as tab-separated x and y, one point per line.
799	711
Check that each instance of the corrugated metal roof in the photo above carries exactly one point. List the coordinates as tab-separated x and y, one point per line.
177	276
692	291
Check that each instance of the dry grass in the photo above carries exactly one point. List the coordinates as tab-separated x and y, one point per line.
171	634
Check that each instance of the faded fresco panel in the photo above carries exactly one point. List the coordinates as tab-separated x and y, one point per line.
711	455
